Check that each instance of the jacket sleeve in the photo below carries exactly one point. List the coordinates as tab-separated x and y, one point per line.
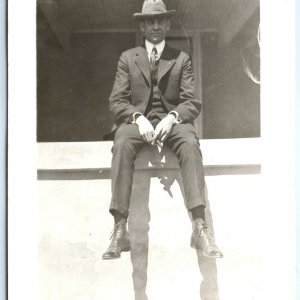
190	103
120	98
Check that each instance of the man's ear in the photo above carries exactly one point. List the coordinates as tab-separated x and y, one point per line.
142	26
169	23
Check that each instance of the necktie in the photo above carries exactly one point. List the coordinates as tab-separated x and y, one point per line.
153	57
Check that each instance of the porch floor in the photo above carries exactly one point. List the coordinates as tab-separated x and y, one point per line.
75	227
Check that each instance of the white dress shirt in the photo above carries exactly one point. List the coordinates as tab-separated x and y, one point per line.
159	47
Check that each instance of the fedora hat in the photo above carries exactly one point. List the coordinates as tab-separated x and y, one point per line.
152	9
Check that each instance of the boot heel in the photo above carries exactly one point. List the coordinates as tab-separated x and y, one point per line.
126	246
125	249
194	245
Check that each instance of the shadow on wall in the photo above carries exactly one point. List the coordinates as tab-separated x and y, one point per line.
139	220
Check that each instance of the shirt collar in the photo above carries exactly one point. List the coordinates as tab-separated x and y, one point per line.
160	47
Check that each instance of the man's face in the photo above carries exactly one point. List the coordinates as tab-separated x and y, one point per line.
155	30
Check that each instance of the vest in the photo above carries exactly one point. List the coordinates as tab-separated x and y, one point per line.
155	110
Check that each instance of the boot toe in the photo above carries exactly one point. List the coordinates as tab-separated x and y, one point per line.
213	253
111	255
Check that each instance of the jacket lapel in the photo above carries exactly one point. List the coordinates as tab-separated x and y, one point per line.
142	62
166	62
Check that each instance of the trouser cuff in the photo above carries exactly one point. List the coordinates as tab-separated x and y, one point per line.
121	211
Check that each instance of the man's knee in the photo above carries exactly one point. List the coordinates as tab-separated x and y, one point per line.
189	143
189	147
126	138
122	144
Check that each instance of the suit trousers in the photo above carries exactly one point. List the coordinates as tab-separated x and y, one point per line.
183	141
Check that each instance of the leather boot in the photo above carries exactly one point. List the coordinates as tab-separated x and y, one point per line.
201	239
119	241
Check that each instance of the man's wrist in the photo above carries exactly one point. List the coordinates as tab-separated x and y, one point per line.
139	119
172	116
175	115
134	117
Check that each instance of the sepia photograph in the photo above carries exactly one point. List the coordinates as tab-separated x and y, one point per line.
163	161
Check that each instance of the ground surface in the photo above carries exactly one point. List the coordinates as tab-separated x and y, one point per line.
74	230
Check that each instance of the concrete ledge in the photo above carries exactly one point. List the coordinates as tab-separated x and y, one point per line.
92	160
90	174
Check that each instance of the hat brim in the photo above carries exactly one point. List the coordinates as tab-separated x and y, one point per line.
141	16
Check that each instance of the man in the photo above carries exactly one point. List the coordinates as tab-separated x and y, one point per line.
153	101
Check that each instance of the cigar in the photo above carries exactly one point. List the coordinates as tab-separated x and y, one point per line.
158	143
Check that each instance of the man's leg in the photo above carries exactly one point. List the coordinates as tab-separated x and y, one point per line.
184	142
127	144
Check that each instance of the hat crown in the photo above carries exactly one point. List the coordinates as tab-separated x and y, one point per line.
153	7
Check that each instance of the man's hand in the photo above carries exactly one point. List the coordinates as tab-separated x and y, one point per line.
145	128
164	128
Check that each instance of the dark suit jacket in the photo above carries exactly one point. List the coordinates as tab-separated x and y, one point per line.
132	88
